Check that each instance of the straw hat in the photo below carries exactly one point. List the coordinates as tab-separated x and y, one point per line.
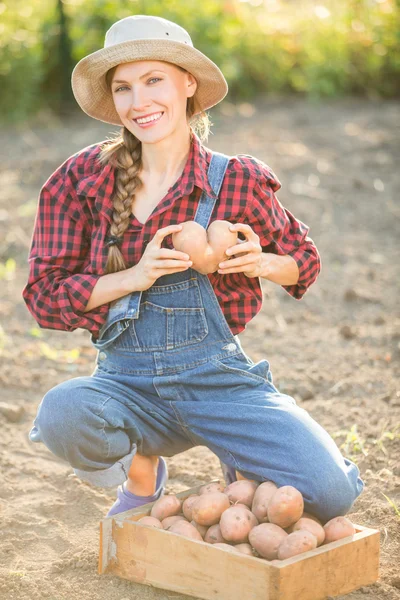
143	37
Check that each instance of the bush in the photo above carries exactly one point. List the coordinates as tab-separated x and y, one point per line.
286	47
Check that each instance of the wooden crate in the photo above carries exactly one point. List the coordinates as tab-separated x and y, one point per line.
169	561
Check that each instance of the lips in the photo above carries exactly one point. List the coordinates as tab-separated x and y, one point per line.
159	113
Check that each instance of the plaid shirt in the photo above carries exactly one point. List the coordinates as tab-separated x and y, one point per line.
68	252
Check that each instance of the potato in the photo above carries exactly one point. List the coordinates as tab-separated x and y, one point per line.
202	529
241	491
338	528
307	515
167	522
151	521
236	522
244	549
215	486
205	248
266	539
187	506
285	506
208	508
262	496
186	529
213	534
296	543
226	547
220	238
166	506
312	526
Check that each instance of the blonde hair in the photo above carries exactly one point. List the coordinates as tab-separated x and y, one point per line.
124	153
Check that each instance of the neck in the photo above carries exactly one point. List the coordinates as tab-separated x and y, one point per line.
165	160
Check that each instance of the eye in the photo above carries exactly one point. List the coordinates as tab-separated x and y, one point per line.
122	87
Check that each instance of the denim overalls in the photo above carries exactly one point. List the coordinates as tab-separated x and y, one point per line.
170	375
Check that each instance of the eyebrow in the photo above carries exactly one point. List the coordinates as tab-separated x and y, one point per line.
141	77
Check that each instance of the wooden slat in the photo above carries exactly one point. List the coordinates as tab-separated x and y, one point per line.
332	570
172	562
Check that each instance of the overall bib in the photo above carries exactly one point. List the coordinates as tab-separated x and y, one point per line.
170	375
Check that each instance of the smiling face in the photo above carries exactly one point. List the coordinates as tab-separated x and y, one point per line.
156	88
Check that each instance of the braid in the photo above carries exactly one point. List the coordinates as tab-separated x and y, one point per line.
127	161
124	153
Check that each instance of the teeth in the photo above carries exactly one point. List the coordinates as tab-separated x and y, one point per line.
148	119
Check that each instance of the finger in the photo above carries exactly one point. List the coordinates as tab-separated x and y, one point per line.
237	270
246	229
168	253
160	272
243	247
171	264
238	262
163	232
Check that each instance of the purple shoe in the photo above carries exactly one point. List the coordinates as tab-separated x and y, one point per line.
228	472
126	500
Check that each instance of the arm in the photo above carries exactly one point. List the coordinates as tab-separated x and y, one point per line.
287	250
58	290
282	270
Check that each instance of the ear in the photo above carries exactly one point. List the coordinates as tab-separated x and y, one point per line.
191	85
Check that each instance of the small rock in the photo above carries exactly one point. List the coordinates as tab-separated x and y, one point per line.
347	332
380	320
352	295
395	401
305	392
11	413
396	582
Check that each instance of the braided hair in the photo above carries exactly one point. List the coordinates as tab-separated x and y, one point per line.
124	153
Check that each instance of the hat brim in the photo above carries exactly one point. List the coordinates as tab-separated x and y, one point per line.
89	75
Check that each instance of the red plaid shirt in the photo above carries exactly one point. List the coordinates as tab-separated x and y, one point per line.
68	253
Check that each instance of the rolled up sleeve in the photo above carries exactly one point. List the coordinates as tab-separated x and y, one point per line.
281	233
58	290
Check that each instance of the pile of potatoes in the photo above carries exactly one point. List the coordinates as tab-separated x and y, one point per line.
257	519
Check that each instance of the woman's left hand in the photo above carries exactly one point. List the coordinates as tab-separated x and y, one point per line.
250	261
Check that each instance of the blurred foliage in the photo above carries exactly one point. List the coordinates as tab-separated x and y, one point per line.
318	49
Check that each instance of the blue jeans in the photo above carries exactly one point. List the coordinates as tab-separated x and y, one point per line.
169	376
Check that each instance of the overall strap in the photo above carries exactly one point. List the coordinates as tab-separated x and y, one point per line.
216	173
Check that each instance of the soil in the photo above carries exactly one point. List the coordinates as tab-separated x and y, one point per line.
336	351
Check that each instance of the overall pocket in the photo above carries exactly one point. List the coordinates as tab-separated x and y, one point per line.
170	316
237	365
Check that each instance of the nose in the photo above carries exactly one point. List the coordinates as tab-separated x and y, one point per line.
139	100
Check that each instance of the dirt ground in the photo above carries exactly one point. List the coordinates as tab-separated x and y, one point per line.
336	351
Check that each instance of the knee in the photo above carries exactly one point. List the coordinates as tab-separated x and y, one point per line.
61	419
335	493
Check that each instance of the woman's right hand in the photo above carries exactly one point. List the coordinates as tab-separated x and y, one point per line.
156	261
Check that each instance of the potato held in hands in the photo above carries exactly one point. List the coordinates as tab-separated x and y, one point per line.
205	248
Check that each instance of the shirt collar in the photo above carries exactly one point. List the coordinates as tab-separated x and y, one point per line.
100	184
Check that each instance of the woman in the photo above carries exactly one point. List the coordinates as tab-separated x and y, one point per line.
170	371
